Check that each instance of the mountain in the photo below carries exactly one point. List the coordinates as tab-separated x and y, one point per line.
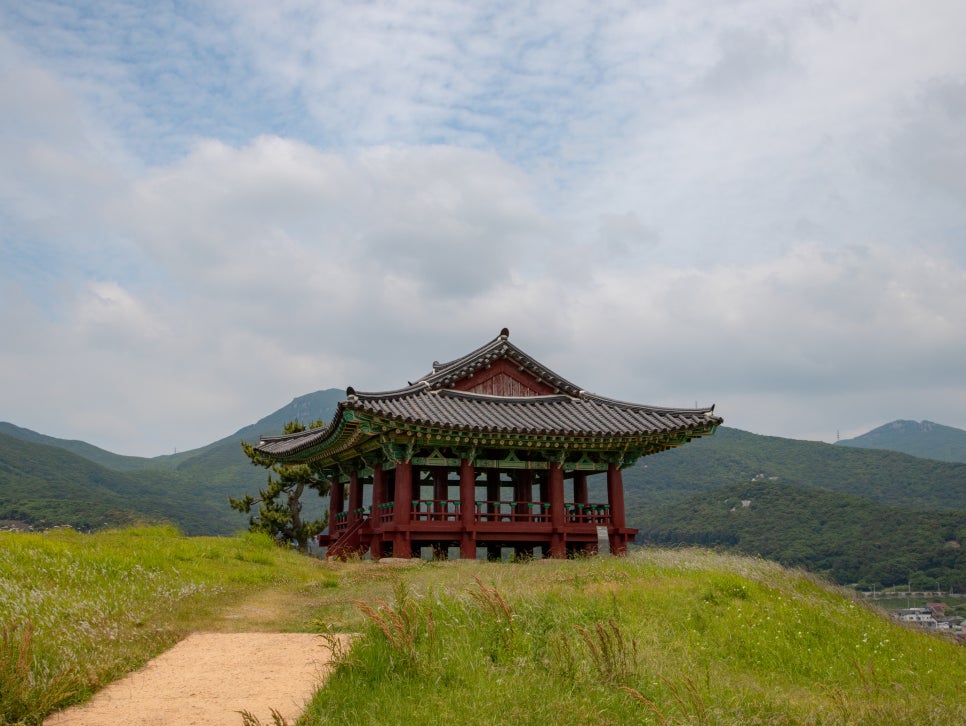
45	486
854	514
222	462
918	438
90	452
732	456
45	481
846	537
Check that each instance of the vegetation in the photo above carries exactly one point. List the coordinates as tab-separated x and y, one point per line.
848	538
817	498
45	486
918	438
813	505
47	482
78	611
661	637
280	502
733	456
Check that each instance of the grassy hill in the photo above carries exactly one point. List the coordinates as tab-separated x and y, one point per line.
663	636
918	438
101	605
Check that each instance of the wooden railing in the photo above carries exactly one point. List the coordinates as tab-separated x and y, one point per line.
450	510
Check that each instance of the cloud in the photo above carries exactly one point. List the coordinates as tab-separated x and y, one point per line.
244	222
756	204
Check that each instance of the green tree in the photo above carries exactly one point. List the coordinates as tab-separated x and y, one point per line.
919	580
280	502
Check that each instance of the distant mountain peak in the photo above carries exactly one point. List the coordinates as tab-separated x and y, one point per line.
905	425
925	439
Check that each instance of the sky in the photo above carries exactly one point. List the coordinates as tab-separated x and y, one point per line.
210	208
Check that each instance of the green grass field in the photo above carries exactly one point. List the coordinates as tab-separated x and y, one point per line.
78	611
663	636
660	637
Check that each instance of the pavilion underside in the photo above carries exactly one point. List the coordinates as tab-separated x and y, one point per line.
500	501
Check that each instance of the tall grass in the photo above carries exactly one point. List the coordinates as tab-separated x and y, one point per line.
663	637
672	637
78	611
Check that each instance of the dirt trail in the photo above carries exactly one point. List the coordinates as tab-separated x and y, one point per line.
209	677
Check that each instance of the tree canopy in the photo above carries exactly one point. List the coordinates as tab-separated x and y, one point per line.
280	502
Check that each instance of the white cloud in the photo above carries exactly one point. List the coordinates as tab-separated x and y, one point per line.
757	204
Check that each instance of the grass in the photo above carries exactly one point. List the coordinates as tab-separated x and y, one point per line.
78	611
664	637
660	637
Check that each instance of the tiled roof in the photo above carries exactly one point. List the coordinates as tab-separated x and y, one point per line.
443	374
583	415
428	402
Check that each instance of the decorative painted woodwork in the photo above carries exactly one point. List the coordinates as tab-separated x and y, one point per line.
511	440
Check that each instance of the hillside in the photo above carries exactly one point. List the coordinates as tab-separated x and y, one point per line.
854	514
732	456
223	463
917	438
47	481
846	537
679	636
47	486
90	452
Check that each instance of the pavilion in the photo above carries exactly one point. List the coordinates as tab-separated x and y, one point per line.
490	450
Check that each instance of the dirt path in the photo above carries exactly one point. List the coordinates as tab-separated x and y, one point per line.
209	678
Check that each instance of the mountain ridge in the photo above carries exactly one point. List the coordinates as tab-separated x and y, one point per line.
925	439
189	489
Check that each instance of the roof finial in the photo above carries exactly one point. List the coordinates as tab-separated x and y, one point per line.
505	333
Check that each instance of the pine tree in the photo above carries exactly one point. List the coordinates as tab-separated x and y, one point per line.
279	503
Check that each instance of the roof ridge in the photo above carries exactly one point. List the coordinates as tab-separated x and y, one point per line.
542	397
438	367
416	387
587	395
499	347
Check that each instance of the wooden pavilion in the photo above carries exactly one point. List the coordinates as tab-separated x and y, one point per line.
490	450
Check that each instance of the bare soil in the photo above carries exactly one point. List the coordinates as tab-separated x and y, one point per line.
210	678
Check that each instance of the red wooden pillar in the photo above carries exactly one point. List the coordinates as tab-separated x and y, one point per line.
580	496
580	488
336	501
544	488
440	489
378	497
493	490
355	496
555	483
417	486
467	509
615	497
523	492
402	544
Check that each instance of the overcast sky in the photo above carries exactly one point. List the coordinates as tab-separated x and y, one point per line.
209	208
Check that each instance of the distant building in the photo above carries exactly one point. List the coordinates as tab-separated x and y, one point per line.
922	617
